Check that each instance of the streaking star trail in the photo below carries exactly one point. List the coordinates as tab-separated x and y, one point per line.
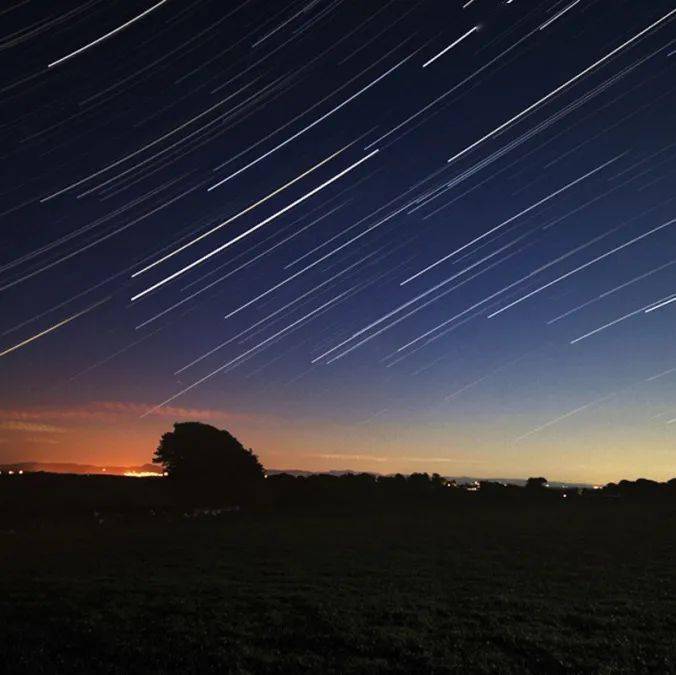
297	217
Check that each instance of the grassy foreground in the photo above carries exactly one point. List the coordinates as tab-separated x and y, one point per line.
478	588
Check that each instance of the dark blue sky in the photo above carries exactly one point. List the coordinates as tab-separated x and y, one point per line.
313	138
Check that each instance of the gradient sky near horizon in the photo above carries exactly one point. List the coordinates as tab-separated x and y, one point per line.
382	236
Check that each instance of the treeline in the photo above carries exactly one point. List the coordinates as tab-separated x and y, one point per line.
43	494
299	492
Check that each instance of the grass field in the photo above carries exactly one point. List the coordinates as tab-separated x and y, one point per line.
481	587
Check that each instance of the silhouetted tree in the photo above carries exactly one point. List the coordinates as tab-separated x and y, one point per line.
208	465
536	483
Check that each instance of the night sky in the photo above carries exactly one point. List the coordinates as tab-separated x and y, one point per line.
384	236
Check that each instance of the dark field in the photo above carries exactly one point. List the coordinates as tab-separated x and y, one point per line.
479	587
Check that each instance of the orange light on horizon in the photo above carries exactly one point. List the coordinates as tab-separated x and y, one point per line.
144	474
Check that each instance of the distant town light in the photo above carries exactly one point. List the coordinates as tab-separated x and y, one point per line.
143	474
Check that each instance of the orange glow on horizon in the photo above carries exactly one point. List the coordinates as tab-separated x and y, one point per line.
111	434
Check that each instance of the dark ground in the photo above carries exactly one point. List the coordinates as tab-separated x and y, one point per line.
475	587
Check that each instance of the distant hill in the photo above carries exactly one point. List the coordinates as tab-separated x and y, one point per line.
64	467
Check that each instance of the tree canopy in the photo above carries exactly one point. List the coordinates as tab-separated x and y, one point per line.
536	483
208	461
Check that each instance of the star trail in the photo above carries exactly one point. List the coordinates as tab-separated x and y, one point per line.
302	215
